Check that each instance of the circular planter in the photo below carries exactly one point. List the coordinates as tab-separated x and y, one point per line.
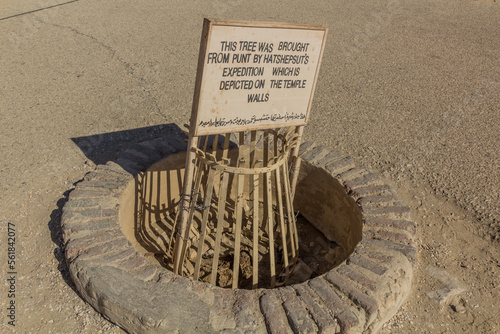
350	205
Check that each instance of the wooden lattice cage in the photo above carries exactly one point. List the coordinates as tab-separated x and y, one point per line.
241	230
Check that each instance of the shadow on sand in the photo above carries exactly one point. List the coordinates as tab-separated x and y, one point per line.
101	148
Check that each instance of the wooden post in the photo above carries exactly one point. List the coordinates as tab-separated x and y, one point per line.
255	229
203	232
185	203
220	215
295	160
237	229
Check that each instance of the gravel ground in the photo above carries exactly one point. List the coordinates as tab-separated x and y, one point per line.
410	89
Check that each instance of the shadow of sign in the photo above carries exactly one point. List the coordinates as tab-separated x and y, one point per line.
104	147
156	198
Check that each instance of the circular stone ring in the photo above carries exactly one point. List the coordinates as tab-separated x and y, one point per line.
358	296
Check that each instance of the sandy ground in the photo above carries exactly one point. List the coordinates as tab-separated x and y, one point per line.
409	88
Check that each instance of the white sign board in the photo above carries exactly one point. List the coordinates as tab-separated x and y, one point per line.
255	76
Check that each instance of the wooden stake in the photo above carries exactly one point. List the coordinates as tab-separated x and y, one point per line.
220	216
255	225
265	162
289	212
206	208
214	144
184	211
281	216
194	201
253	139
296	161
237	230
203	141
270	224
225	148
255	208
220	227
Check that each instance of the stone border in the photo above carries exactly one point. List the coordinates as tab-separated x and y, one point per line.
358	296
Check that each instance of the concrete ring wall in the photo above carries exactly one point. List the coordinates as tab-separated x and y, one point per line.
358	296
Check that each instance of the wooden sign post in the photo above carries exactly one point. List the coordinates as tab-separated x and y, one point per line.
251	76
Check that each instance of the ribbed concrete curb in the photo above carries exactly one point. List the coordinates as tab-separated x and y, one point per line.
358	296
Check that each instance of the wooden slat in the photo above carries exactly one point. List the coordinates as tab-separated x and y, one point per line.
203	141
255	225
254	185
268	207
237	231
281	216
275	149
220	227
243	170
266	148
194	200
206	204
221	211
215	143
243	156
253	140
290	213
180	180
184	213
295	160
225	148
265	158
241	138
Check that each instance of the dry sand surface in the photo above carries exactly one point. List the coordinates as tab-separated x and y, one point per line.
408	88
